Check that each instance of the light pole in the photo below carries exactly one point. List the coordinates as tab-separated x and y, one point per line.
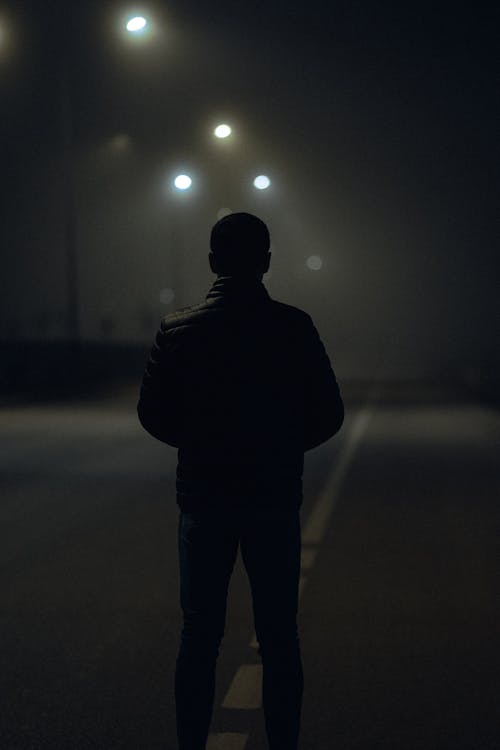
69	203
182	185
136	25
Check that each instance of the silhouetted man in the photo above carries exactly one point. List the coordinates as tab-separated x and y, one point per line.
242	386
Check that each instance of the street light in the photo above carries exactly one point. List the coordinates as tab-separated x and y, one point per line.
136	25
222	131
262	182
183	182
167	296
314	262
7	41
181	185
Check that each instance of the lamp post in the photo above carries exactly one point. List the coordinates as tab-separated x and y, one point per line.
135	25
182	185
69	203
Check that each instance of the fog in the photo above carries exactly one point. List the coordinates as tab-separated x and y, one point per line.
376	128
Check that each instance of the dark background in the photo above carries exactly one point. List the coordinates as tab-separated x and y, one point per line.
376	122
378	126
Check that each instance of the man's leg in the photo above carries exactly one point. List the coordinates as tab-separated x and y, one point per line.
270	547
208	544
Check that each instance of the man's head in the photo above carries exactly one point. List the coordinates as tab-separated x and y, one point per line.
240	246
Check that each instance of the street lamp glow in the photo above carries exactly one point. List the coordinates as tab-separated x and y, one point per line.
136	24
6	37
167	296
183	182
262	182
314	262
222	131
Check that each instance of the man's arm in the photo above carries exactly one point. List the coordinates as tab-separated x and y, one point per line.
159	406
324	408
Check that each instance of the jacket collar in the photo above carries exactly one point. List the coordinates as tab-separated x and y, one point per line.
234	289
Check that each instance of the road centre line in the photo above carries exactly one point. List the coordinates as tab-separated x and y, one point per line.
227	741
317	522
308	556
245	691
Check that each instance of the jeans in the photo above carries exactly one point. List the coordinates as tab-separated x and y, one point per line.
270	549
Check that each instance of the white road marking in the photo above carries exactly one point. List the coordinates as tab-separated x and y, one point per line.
245	690
308	556
227	741
317	522
302	583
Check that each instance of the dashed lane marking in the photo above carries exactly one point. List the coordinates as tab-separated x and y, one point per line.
308	556
302	583
227	741
245	690
317	522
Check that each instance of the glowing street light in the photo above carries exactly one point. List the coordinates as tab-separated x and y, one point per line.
167	296
183	182
7	38
222	131
314	262
262	182
137	24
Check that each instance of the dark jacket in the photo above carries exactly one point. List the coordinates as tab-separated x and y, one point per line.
242	386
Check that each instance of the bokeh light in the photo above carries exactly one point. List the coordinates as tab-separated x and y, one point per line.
136	24
167	296
314	262
222	131
183	182
262	182
120	142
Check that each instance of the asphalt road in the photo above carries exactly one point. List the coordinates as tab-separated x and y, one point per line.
399	606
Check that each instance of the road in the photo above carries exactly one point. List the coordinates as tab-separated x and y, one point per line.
399	604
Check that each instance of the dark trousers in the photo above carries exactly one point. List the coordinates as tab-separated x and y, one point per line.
270	549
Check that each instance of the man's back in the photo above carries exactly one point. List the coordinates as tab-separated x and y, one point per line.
242	385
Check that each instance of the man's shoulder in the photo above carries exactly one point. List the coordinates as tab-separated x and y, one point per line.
290	311
184	316
195	314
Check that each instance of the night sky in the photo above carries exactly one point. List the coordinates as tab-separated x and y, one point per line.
377	123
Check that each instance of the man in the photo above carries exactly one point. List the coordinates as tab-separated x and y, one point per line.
242	386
